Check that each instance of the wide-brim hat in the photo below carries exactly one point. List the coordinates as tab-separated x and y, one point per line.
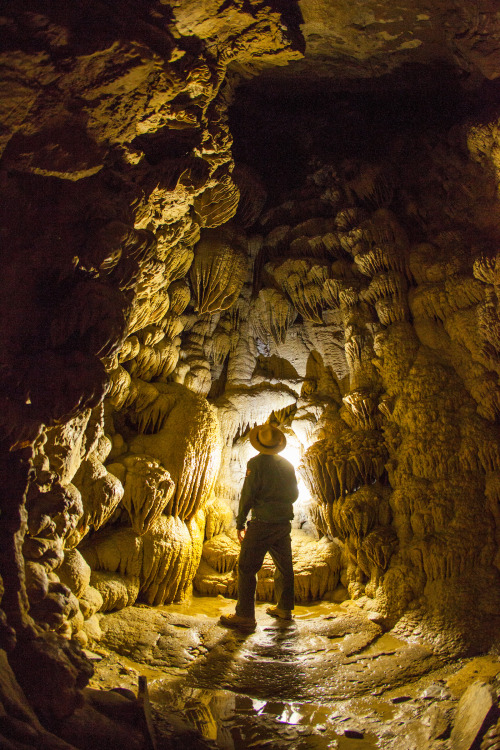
267	439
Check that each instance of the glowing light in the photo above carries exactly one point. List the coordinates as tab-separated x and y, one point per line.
293	453
258	706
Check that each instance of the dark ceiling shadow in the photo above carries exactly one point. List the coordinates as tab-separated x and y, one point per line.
275	367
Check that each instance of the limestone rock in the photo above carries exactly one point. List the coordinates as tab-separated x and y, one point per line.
92	628
476	710
91	727
74	572
316	568
437	721
90	602
181	431
116	591
147	489
491	738
218	271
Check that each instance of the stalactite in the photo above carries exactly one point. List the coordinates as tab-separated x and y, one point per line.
241	408
180	296
219	346
271	315
221	552
157	361
101	493
336	466
157	565
374	185
489	326
218	272
303	281
147	489
218	517
363	406
253	195
181	431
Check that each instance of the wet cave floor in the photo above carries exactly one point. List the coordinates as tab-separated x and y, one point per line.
329	679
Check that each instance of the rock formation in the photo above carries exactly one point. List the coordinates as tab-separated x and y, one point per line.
155	307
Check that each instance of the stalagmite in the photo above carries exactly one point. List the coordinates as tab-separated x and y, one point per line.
170	561
157	565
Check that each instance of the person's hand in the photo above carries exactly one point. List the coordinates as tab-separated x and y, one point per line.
241	535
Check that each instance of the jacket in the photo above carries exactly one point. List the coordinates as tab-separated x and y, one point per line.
269	490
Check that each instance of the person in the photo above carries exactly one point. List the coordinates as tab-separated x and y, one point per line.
269	491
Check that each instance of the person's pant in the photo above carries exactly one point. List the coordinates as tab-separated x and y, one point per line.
262	537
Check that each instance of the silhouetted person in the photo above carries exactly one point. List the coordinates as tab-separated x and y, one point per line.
269	491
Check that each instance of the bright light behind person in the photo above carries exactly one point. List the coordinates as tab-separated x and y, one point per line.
293	453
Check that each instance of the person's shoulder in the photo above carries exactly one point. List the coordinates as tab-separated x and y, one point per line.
254	460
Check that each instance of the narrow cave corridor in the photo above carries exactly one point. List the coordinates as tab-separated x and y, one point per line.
216	215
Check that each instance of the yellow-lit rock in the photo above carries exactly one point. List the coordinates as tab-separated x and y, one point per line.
218	271
147	489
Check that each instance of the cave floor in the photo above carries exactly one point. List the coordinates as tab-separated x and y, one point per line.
329	679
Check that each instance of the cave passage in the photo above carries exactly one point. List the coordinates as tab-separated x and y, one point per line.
226	214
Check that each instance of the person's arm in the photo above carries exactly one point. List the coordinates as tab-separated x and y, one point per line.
294	489
246	499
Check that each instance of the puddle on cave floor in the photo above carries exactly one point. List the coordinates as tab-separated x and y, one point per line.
250	715
209	606
237	722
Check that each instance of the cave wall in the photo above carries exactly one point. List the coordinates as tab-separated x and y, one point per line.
368	335
151	313
115	153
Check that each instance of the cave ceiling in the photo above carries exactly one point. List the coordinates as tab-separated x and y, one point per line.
371	44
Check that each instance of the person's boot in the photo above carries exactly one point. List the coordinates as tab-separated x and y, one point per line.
281	614
246	624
